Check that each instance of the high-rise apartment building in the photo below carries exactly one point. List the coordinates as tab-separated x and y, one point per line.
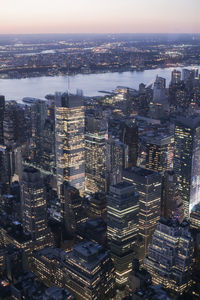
69	132
122	228
148	184
170	256
186	160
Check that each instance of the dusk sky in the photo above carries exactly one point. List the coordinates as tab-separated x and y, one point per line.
95	16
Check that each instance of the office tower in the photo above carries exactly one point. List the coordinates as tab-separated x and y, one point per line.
91	265
33	203
169	187
130	138
171	203
15	262
72	211
117	160
2	109
38	117
170	256
34	209
122	228
98	206
195	217
95	155
6	166
86	271
48	159
186	160
158	149
14	124
69	131
93	230
176	77
159	89
188	74
148	184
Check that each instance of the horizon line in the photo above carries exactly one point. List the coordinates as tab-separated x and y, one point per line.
104	33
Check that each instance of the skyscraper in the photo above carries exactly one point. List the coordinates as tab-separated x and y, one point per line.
95	155
72	210
34	213
169	259
186	160
148	184
2	109
69	131
176	77
130	138
122	228
158	149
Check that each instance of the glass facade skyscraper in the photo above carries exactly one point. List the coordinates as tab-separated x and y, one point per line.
122	228
69	131
186	160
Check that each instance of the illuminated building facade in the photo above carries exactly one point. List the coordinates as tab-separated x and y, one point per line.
122	228
186	160
34	209
2	109
195	217
117	160
72	210
130	138
48	161
33	203
158	150
176	77
170	256
95	155
38	117
69	131
87	270
148	184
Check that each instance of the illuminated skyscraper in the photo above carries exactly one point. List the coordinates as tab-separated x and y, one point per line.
130	138
38	117
69	131
34	213
176	77
72	210
95	155
148	184
158	149
2	109
186	160
122	228
48	161
34	210
170	256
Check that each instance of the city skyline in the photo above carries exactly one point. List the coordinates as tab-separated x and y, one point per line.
88	16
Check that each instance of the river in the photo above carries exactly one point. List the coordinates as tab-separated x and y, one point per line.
91	84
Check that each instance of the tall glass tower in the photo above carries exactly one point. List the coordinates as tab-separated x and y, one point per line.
69	132
122	228
186	160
